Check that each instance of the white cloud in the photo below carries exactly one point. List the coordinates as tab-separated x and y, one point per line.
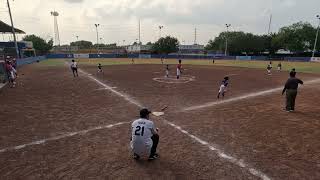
119	18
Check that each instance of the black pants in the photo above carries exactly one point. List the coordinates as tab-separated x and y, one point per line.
291	95
155	140
75	71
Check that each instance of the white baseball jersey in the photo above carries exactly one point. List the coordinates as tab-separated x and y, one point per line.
141	142
74	65
222	88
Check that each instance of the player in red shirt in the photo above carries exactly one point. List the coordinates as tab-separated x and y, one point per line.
179	69
11	72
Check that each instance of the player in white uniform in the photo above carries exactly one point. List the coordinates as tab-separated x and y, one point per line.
74	68
167	71
179	69
269	68
144	137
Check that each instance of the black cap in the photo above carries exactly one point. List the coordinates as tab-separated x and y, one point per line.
144	112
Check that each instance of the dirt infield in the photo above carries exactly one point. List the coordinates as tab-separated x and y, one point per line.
54	126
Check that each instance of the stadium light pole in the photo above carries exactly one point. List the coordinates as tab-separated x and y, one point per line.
97	25
13	31
226	49
160	27
316	40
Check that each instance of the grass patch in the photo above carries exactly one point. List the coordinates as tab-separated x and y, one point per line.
306	67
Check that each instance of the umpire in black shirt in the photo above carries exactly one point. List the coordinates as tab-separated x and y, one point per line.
291	91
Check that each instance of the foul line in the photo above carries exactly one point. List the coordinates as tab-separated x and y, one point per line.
247	96
43	141
220	153
125	96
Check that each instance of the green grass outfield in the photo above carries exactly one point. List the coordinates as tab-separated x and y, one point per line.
306	67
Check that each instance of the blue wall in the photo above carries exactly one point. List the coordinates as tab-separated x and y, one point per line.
58	56
304	59
177	56
21	62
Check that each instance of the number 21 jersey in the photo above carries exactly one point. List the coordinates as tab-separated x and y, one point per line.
141	136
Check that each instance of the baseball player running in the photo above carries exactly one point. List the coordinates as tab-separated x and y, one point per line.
74	68
144	137
100	68
179	69
223	87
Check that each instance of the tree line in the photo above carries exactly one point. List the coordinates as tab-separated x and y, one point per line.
297	38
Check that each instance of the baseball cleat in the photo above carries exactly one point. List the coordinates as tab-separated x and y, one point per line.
155	156
136	156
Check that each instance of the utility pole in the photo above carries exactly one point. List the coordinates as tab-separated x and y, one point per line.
316	40
226	49
97	25
269	27
195	36
13	31
139	31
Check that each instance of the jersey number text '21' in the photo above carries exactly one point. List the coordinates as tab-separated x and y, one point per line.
139	131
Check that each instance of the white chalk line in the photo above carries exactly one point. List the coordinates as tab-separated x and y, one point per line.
220	153
246	96
125	96
101	89
174	80
43	141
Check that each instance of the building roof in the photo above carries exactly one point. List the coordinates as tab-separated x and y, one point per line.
5	28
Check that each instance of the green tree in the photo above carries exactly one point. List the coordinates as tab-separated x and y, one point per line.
149	43
239	43
166	45
82	44
39	44
298	37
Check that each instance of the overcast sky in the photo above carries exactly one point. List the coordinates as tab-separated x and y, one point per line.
118	19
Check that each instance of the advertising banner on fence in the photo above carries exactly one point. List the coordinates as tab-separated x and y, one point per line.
246	58
315	59
145	56
81	56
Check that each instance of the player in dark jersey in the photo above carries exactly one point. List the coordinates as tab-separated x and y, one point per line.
100	68
223	87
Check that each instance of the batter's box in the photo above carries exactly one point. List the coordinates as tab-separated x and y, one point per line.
174	80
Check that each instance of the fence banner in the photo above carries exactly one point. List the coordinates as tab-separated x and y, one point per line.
81	56
145	56
315	59
246	58
299	59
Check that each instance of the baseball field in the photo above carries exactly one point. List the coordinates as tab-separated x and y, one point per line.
55	126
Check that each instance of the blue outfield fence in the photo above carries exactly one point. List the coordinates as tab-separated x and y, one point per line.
30	60
303	59
175	56
58	56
